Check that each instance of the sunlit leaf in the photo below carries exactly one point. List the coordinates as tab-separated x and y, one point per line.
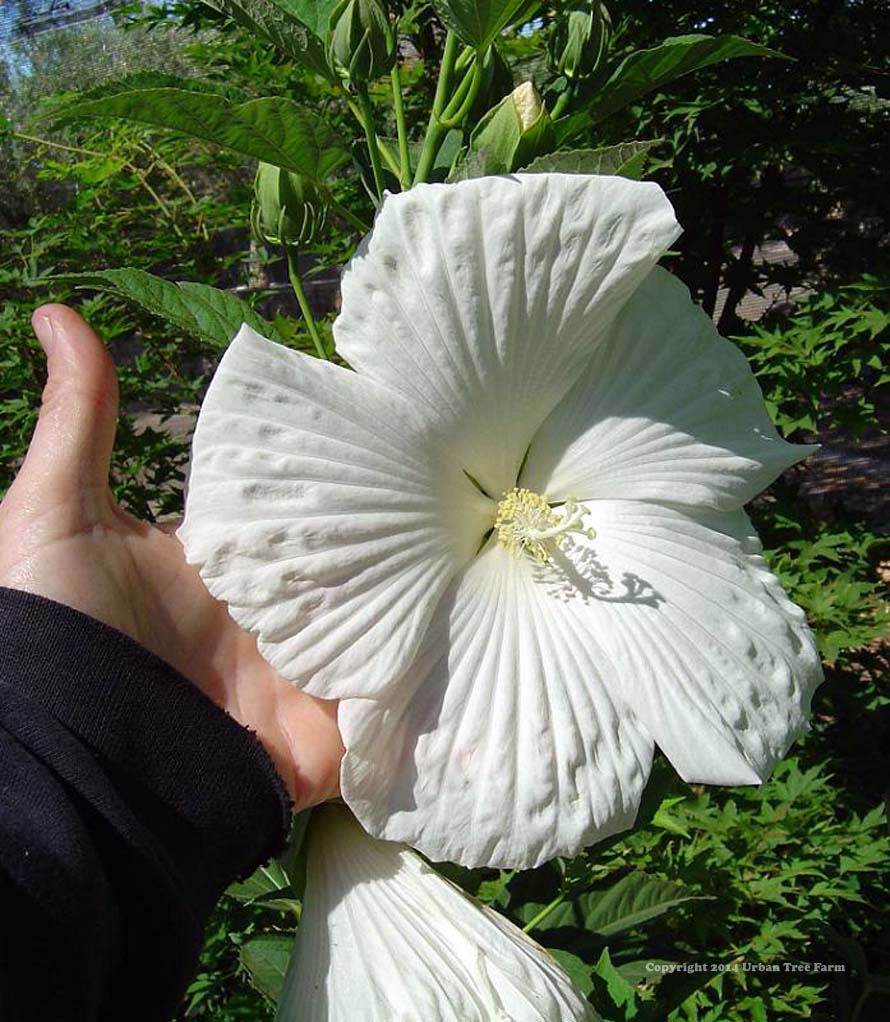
636	898
627	159
644	70
273	129
265	958
477	24
293	36
314	14
197	309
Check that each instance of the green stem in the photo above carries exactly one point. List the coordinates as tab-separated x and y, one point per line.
464	98
401	127
385	151
355	222
371	136
542	915
446	71
434	130
296	282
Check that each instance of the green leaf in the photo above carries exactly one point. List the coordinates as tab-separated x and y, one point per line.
265	958
576	968
619	991
314	14
496	892
626	159
646	970
664	820
644	70
636	898
273	129
197	309
268	879
477	24
293	36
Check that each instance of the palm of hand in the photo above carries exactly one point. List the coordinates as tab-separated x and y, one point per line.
62	536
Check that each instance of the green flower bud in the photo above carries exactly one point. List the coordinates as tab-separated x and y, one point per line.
579	40
514	132
362	44
287	208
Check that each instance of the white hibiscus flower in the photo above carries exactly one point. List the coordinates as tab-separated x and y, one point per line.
512	540
384	938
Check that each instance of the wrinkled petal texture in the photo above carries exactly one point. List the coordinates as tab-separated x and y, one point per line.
383	938
667	410
716	661
510	750
539	689
320	511
482	301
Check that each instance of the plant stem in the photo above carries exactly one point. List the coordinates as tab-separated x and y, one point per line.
545	911
435	130
385	152
59	145
79	150
296	282
401	127
562	101
464	97
355	222
371	136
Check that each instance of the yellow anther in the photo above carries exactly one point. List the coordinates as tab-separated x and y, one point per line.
526	524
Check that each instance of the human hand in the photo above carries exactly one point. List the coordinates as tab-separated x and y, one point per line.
63	536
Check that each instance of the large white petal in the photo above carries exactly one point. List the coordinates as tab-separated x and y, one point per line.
716	661
667	410
483	300
383	938
509	749
321	511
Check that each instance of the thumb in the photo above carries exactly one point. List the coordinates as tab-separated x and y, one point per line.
70	451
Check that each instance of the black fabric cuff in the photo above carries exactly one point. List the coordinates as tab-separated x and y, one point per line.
205	785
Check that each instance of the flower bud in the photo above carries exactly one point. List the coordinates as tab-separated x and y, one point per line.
362	45
287	208
514	132
580	39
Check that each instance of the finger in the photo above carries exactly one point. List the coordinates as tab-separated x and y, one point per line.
70	450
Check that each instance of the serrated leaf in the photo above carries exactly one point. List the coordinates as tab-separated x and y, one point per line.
145	80
265	958
268	879
197	309
634	899
665	821
626	159
273	129
477	24
291	35
495	892
644	70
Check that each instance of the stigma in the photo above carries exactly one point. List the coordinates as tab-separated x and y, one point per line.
526	524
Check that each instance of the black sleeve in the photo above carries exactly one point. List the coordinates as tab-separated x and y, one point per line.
128	802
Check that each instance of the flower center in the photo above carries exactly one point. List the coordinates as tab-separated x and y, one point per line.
526	523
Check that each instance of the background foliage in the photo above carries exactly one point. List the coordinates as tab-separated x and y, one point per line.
717	906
